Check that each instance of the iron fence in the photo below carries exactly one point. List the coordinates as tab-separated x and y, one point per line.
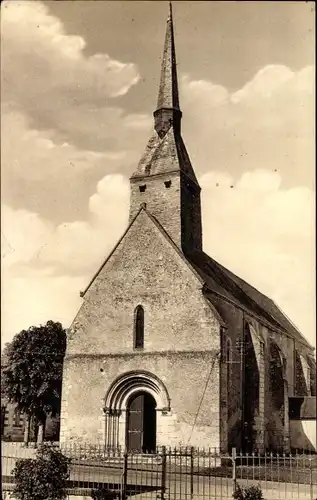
175	473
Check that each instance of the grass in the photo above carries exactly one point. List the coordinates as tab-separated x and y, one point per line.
296	471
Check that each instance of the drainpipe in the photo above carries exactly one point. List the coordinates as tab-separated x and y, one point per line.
242	375
294	368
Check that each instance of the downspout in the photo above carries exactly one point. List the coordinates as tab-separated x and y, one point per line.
294	369
242	375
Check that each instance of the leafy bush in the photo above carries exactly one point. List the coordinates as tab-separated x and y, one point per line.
42	478
104	494
248	493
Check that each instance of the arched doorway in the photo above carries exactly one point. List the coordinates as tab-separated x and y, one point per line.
121	412
141	423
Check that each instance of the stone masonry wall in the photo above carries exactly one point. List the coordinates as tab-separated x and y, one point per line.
234	321
182	335
184	376
145	269
164	203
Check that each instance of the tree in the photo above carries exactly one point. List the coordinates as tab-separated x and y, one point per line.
32	373
42	478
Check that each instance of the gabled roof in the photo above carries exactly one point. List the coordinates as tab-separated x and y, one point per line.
223	281
163	232
218	279
171	242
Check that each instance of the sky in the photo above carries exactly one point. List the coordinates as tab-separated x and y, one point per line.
79	83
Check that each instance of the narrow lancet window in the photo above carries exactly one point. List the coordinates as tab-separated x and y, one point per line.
139	328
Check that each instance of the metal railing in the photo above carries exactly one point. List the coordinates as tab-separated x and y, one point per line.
176	473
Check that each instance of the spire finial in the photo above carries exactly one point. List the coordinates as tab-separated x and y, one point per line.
170	11
168	101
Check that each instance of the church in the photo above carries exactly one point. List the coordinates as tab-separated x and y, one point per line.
169	347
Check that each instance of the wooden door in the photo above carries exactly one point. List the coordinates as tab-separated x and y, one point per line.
135	423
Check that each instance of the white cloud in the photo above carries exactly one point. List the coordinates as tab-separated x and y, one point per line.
81	246
53	59
44	268
74	247
48	77
258	139
33	297
194	89
268	125
267	81
37	156
22	234
259	231
265	235
60	116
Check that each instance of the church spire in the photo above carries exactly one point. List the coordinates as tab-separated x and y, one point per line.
168	113
164	179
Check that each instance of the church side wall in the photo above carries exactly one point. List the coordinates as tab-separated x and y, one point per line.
234	321
270	425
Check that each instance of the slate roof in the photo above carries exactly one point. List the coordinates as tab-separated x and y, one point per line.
168	154
168	89
224	282
164	155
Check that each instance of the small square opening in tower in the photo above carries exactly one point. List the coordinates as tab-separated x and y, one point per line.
142	188
168	184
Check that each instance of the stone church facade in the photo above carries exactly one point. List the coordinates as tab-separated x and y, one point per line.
169	347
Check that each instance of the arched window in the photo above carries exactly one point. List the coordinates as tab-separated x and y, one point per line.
139	328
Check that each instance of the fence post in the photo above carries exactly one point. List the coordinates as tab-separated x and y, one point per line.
125	476
311	478
163	477
191	472
234	472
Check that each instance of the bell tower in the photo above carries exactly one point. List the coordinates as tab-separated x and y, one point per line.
165	180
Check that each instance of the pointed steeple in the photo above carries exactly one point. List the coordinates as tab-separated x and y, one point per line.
165	179
168	113
168	90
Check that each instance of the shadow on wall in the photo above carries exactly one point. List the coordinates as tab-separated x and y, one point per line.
312	367
234	434
251	395
303	435
300	382
276	423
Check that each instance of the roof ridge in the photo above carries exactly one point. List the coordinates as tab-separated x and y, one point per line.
238	277
249	299
162	230
288	319
264	306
